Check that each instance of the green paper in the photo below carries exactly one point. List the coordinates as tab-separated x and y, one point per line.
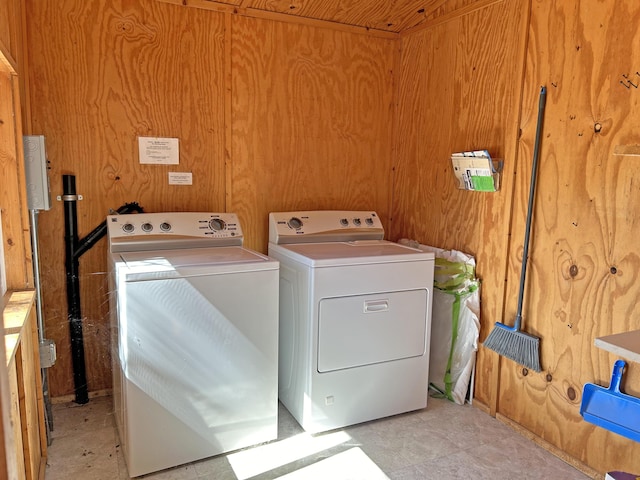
483	184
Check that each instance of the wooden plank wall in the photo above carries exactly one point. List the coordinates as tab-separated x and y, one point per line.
274	116
459	90
311	122
15	222
270	116
13	427
15	216
102	74
584	258
31	398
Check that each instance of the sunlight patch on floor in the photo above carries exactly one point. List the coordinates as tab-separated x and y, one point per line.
352	464
257	460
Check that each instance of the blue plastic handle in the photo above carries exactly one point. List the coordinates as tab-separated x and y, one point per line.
611	409
616	376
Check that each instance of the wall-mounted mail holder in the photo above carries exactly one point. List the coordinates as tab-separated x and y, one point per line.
477	171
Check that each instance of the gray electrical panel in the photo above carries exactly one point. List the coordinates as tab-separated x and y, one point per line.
36	172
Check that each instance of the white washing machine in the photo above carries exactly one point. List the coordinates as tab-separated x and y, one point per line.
355	319
194	344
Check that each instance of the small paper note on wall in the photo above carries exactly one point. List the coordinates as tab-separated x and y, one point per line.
180	178
159	151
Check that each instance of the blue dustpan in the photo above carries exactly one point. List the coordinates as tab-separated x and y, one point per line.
610	408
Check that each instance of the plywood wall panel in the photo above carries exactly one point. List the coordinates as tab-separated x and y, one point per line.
311	122
459	90
102	74
5	26
300	117
389	15
584	265
15	216
309	127
11	31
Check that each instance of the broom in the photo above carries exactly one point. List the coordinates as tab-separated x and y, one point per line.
510	342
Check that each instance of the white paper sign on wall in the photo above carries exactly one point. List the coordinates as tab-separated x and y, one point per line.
180	178
159	151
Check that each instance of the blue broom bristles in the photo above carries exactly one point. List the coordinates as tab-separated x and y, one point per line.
518	346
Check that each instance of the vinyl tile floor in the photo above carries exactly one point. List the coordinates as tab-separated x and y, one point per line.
443	441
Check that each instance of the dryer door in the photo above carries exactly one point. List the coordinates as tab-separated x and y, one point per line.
365	329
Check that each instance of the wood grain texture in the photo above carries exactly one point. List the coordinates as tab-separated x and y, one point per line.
447	13
459	90
311	122
29	388
374	16
309	128
7	459
15	219
11	31
386	15
303	118
584	263
102	74
5	27
12	205
276	16
19	472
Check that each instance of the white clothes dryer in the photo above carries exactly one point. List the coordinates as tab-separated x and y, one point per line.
194	338
355	319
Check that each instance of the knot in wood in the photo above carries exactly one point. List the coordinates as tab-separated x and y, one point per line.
573	270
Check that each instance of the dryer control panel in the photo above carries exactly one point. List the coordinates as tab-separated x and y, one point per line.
324	226
153	231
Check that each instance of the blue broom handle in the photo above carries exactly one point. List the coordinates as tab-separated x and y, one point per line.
532	189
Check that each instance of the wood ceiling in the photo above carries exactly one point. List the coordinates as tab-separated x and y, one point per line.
392	16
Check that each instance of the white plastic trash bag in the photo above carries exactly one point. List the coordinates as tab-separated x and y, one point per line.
455	321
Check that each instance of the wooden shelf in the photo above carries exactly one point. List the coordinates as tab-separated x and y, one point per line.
16	310
26	409
626	344
15	314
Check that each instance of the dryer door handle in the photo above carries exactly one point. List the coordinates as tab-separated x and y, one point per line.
376	306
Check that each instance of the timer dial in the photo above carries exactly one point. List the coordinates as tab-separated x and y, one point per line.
295	223
217	224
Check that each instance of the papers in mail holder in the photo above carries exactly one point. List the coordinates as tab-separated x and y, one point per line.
476	171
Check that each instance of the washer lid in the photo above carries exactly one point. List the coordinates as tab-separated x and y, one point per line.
351	253
196	261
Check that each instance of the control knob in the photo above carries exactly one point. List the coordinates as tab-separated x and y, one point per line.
295	223
217	224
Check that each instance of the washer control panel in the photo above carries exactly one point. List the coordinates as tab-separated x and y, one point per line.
141	231
324	226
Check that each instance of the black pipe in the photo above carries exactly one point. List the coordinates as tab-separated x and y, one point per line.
101	230
74	248
73	288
